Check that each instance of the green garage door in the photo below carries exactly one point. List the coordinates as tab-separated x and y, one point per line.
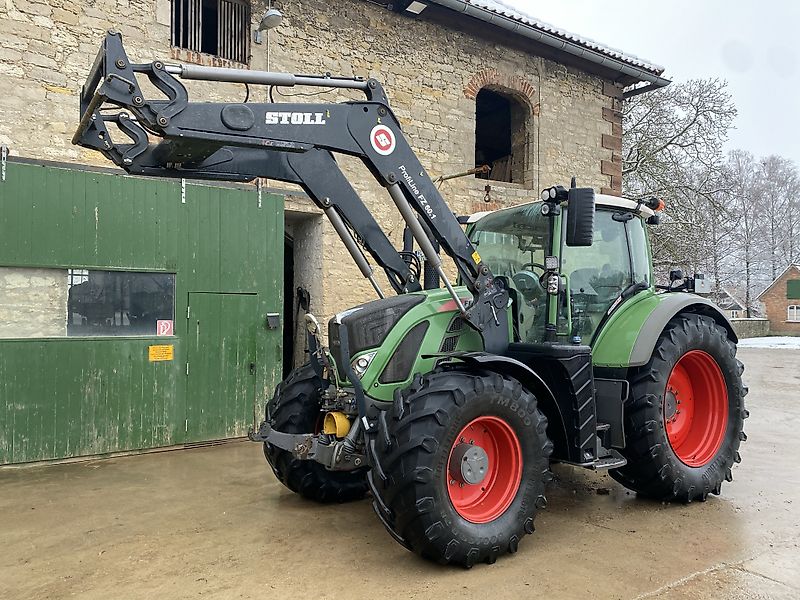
111	287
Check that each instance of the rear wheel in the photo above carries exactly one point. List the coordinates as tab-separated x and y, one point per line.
295	408
460	466
684	421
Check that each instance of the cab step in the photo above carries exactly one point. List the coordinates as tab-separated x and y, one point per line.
614	460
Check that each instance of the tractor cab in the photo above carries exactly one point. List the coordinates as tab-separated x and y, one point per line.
524	244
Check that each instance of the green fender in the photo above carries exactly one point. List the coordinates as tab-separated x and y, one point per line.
628	338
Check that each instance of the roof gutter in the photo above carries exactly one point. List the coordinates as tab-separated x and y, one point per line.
555	42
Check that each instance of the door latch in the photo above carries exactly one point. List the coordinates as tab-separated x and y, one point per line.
273	320
252	368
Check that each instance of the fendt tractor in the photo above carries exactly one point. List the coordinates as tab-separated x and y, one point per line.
448	404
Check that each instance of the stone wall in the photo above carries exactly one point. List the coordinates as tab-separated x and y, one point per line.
748	328
776	304
431	73
33	302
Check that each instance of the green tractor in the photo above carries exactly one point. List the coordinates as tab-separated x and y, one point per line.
601	371
448	405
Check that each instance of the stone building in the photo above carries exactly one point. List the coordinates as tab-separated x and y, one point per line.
541	103
781	302
472	82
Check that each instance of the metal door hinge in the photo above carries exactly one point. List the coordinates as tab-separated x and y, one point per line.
258	188
188	311
187	367
4	160
186	425
183	191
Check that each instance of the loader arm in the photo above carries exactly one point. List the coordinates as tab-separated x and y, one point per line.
294	143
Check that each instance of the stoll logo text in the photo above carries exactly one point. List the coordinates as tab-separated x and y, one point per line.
295	118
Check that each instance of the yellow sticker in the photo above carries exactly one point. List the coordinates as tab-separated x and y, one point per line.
476	257
161	352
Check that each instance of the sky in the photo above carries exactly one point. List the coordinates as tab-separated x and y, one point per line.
753	44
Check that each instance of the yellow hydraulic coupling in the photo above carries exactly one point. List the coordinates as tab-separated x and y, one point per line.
336	423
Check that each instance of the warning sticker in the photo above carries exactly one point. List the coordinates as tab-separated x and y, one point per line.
382	140
160	352
164	327
476	257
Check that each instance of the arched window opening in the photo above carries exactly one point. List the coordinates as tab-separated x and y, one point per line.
500	136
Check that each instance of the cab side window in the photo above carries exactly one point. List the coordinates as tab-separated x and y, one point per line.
639	254
598	274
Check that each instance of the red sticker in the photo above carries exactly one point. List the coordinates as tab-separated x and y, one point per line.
164	327
382	140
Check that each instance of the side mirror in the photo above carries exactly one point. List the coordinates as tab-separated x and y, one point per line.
580	217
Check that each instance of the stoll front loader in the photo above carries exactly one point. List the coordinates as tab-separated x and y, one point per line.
448	405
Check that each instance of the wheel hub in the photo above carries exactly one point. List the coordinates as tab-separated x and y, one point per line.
670	405
484	469
468	464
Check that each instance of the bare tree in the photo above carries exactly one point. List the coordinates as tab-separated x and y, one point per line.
677	131
746	243
778	184
672	148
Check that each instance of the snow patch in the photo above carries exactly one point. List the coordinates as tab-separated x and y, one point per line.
786	342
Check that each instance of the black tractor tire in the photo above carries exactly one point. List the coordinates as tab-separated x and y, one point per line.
654	467
410	457
295	408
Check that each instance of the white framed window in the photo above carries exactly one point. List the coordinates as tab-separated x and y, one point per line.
793	312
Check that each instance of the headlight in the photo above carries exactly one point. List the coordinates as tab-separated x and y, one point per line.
361	364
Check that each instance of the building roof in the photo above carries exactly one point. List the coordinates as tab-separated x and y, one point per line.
501	8
627	69
728	301
769	287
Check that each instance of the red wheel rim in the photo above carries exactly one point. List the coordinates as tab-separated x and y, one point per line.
485	501
696	408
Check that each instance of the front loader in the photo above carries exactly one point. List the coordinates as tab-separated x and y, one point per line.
448	405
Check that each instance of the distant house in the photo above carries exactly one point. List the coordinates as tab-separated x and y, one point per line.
730	305
782	302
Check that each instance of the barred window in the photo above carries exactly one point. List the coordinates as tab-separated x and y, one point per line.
217	27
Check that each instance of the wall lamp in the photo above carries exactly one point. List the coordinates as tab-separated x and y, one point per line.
271	19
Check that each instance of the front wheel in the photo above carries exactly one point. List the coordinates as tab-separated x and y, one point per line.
684	421
460	466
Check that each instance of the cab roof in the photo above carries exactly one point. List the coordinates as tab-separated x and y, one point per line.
600	200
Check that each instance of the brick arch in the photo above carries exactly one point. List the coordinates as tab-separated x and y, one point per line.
502	82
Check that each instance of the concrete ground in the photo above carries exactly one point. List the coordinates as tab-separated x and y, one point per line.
215	523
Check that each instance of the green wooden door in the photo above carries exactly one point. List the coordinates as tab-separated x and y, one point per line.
221	369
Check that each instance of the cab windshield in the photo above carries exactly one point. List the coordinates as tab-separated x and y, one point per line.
513	244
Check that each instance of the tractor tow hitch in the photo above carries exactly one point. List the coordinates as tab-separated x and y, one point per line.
339	455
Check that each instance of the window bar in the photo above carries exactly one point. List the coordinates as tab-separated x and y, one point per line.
223	40
198	35
200	24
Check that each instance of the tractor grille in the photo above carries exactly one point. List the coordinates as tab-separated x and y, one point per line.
449	343
457	324
455	327
367	326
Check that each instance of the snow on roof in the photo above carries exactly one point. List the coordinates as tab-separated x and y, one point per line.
503	9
